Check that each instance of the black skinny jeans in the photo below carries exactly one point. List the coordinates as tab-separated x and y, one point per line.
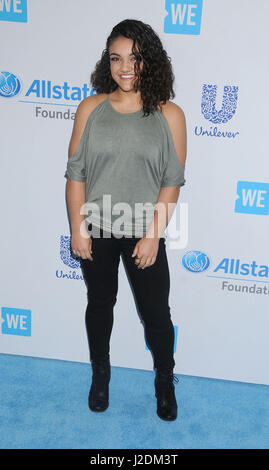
150	288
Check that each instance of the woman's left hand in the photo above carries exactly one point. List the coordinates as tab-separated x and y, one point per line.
146	249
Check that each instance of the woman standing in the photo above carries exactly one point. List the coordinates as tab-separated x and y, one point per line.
128	148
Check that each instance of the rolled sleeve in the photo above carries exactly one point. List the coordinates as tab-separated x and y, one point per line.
173	173
76	165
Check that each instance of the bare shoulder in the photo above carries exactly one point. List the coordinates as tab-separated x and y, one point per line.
88	104
175	117
173	112
84	109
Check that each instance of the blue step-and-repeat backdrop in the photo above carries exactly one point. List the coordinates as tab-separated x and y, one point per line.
219	263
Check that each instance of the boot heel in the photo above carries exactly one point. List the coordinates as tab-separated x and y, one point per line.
165	394
98	399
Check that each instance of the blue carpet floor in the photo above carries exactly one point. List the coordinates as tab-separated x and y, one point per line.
44	406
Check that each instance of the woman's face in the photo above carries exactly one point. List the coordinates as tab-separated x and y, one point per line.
122	62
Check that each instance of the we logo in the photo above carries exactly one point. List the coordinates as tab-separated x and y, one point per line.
184	16
16	321
13	10
252	198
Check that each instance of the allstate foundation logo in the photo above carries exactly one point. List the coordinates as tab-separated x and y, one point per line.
45	92
68	259
195	261
231	272
221	116
252	198
10	85
184	16
15	321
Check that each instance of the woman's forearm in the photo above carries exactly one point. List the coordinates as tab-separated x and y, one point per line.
75	200
166	204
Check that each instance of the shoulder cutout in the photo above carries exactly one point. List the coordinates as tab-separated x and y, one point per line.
84	109
177	124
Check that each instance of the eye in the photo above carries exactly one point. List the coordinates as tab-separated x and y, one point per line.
113	59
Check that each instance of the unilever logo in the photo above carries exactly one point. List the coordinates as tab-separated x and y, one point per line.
221	116
10	85
229	103
195	261
65	253
68	260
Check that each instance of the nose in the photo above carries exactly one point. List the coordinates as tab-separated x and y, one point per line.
127	66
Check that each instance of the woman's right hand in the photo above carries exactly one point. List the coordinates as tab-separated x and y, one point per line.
81	246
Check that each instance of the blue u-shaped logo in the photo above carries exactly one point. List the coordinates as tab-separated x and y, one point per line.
65	253
10	85
229	103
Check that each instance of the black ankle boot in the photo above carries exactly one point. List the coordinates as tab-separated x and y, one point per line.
165	394
99	391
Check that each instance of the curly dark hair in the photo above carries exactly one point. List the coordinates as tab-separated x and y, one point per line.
155	81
